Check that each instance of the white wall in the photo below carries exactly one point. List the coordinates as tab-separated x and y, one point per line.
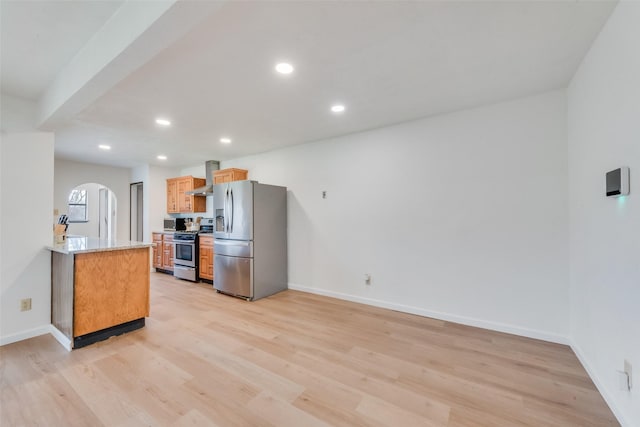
17	114
158	195
69	174
141	174
603	134
461	216
26	227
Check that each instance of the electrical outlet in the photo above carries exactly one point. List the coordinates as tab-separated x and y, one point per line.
324	194
25	304
367	278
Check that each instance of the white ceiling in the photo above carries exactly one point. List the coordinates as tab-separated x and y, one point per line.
388	62
41	37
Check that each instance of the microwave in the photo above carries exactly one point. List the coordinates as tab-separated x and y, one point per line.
175	224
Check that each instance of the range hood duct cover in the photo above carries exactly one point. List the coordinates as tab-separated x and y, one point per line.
209	167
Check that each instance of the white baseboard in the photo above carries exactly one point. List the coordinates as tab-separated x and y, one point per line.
604	391
469	321
24	335
61	338
36	332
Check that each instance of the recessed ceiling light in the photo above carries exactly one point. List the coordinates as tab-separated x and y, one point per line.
162	157
225	140
284	68
104	147
163	122
338	108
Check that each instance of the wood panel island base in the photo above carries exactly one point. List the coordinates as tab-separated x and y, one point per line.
99	289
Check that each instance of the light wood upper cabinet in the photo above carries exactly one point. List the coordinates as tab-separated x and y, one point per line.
228	175
172	196
180	202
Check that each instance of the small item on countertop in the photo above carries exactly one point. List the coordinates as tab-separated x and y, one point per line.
60	232
64	220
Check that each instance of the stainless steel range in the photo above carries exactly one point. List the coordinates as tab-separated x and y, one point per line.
185	261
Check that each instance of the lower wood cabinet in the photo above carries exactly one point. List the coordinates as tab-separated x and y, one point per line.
206	257
157	250
163	251
99	293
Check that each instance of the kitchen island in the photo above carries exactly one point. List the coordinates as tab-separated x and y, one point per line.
99	288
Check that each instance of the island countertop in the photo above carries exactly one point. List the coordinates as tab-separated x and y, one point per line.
84	244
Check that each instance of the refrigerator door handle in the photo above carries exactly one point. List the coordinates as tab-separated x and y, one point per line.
224	213
231	216
226	209
231	243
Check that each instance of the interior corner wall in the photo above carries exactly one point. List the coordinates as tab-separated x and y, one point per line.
462	216
68	174
158	196
18	114
604	134
26	226
141	174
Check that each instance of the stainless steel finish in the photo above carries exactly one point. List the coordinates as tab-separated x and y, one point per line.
180	258
169	224
234	275
250	239
206	221
62	273
233	243
270	240
231	209
184	272
206	226
243	248
226	209
235	201
209	167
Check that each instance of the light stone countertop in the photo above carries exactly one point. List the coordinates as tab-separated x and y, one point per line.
84	244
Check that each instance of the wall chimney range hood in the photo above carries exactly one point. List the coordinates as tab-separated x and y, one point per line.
209	167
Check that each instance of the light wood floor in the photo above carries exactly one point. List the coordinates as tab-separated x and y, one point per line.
294	359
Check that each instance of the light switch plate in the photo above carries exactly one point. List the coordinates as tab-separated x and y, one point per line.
618	182
629	371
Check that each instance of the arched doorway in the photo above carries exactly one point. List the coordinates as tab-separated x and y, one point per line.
92	211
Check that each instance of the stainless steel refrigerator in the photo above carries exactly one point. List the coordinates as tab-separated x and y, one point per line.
250	239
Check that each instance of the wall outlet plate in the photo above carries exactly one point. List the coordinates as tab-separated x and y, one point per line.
25	304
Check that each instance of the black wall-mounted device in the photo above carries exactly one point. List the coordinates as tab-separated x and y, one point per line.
618	182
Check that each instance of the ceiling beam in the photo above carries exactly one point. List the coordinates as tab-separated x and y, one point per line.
135	33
